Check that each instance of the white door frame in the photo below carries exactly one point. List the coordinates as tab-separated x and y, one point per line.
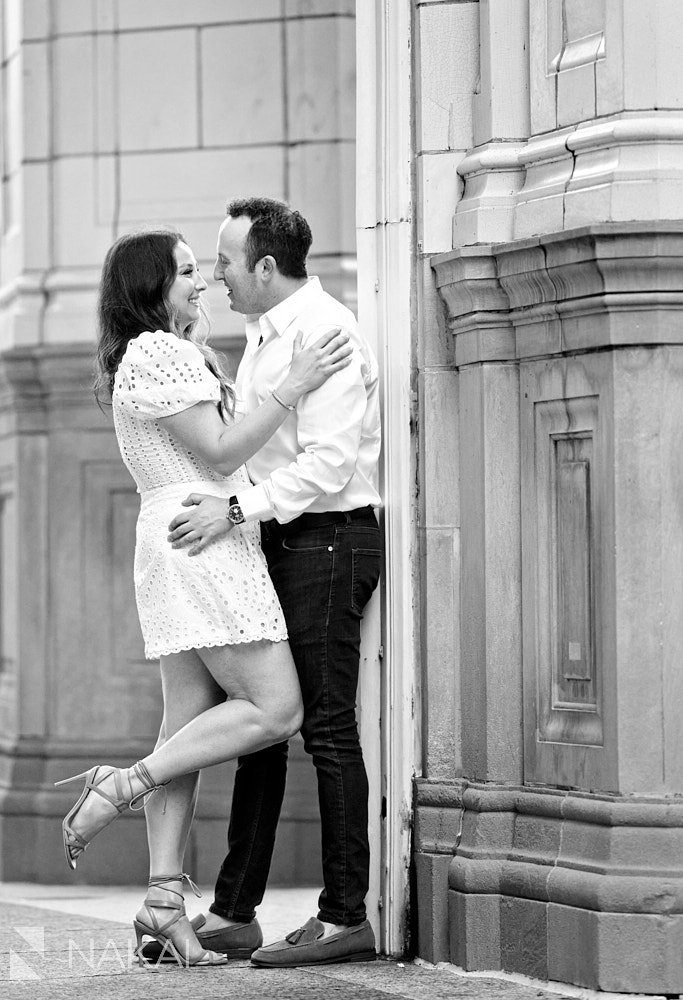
385	282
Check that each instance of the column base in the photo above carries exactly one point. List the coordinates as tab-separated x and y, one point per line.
565	886
614	952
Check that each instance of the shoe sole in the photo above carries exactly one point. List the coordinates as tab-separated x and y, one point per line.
359	956
236	955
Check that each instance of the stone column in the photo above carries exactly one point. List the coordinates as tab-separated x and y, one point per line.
571	870
562	293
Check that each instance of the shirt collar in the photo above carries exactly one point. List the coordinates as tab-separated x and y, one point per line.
281	316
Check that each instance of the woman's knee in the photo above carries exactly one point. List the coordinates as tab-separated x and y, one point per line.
286	718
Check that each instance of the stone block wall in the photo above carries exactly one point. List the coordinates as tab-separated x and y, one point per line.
117	115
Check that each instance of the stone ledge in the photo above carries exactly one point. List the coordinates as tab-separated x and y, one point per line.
532	800
602	853
524	299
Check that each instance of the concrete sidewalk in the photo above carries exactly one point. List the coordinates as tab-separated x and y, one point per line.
53	944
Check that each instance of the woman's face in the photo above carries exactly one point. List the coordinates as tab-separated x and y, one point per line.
184	293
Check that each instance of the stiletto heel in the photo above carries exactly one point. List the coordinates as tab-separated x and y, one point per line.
74	843
146	924
75	777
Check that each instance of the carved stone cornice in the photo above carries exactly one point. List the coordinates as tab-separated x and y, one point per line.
477	306
530	298
581	852
38	383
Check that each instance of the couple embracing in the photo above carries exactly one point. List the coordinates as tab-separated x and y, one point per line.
257	549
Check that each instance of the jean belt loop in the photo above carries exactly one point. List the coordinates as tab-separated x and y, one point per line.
347	517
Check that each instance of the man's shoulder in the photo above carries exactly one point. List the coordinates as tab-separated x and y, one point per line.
323	308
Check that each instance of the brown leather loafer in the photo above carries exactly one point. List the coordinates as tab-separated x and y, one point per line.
235	942
307	946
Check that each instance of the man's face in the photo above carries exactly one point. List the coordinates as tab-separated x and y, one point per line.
245	291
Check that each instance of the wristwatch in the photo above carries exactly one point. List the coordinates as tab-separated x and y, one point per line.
234	511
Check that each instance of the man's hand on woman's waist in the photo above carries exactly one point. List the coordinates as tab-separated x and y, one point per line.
205	522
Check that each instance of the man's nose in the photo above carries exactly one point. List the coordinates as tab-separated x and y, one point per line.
217	272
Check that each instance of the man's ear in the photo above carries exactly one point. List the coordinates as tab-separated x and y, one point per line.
268	267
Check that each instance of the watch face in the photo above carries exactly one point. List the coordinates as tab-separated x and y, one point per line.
235	513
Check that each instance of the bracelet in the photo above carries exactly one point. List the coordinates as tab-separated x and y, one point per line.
282	402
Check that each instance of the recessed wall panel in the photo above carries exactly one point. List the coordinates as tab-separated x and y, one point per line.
568	610
565	464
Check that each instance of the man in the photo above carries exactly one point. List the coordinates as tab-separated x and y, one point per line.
314	492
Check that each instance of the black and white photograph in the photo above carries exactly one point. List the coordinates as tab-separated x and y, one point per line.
341	499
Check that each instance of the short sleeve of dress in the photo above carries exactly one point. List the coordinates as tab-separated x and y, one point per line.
161	374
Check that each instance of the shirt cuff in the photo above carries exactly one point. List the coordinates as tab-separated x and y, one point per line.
255	504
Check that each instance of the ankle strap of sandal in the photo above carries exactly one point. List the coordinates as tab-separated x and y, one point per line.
158	882
151	786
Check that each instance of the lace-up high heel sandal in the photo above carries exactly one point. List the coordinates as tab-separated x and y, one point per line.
76	843
175	941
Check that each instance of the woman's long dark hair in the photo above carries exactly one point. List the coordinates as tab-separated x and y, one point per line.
138	272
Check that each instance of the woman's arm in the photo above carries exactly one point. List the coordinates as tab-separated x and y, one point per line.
225	447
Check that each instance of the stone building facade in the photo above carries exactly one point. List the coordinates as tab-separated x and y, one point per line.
548	198
117	115
519	196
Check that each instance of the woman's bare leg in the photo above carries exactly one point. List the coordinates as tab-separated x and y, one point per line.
263	707
189	689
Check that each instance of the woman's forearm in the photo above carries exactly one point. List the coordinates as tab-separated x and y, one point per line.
239	442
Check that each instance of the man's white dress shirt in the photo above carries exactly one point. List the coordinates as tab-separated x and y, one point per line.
324	456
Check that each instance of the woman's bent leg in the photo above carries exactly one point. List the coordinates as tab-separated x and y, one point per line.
189	689
263	707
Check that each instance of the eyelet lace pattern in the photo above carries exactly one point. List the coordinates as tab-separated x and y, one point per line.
223	595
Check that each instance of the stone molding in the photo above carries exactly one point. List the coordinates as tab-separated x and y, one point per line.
554	803
55	382
523	299
493	176
628	166
43	389
27	284
568	848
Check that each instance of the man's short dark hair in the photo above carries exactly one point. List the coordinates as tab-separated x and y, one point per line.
276	230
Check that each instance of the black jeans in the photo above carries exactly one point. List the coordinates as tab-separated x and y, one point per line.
324	568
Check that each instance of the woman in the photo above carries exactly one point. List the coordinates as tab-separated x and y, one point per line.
228	680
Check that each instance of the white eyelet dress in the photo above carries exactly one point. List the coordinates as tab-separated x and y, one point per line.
223	595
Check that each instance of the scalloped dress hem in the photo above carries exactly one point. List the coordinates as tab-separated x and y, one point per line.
154	655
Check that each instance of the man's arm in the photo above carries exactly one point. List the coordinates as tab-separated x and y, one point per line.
329	422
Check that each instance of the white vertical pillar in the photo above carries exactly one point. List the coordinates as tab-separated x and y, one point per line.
385	261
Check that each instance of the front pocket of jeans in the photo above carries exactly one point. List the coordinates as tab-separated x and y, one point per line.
364	576
299	545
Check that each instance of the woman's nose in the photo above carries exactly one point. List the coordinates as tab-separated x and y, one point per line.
200	284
